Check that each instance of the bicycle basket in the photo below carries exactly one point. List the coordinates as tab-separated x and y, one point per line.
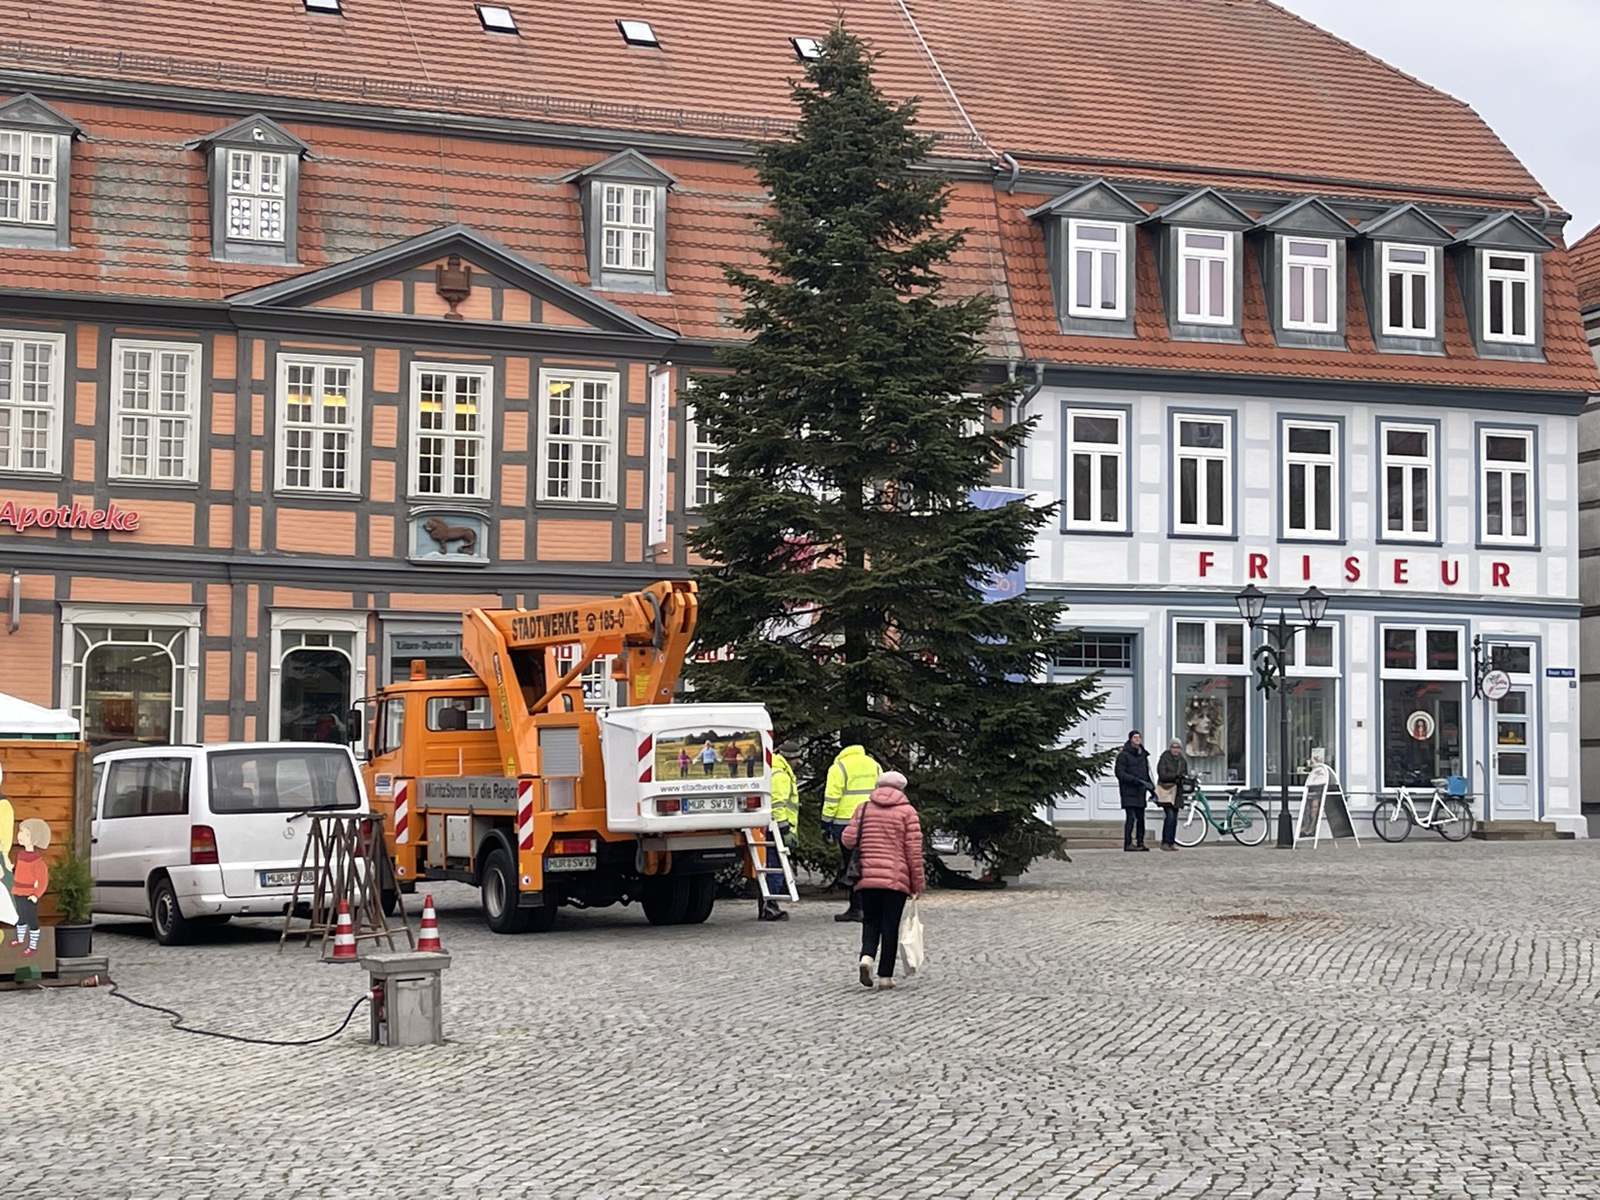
1188	785
1455	785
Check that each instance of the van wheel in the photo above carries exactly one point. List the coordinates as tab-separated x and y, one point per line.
702	898
391	902
666	899
499	893
171	926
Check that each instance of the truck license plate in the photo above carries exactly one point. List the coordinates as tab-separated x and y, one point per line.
710	804
571	862
286	878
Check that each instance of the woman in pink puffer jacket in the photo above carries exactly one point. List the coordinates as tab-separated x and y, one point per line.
887	839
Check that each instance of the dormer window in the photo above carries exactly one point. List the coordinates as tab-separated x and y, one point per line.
1408	283
628	227
1205	267
1308	274
624	201
1303	260
35	148
1507	297
1096	254
255	180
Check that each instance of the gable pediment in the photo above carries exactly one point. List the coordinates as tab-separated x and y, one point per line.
627	165
1096	199
417	278
1308	216
1205	209
1505	231
257	131
28	111
1407	223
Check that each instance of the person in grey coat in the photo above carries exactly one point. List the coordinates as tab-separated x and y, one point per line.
1133	781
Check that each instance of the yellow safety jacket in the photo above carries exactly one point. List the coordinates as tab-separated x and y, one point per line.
850	781
785	792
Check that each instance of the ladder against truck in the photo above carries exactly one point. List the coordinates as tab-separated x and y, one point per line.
508	780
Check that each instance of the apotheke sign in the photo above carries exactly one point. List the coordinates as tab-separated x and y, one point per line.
67	516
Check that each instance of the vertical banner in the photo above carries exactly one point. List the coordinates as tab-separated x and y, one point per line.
1000	587
660	403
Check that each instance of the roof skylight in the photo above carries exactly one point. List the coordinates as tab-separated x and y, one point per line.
324	6
638	33
497	19
806	49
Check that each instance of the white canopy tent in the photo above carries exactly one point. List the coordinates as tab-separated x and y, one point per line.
22	719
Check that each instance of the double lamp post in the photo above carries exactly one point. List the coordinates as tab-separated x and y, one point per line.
1271	658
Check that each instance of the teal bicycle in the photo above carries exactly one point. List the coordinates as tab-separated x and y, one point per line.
1244	819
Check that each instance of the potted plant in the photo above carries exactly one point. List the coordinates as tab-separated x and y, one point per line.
71	881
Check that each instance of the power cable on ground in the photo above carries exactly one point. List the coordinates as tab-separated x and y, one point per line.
177	1023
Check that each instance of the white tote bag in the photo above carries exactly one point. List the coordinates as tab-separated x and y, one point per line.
911	951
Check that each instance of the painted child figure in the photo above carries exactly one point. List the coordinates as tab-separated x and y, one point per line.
29	880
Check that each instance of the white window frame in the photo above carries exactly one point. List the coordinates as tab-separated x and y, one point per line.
28	190
1202	455
122	412
599	688
1403	324
1409	465
174	628
255	197
1505	280
482	437
626	242
1506	471
318	428
1098	252
1097	453
550	483
704	466
286	627
14	406
1307	462
1212	667
1207	260
1300	279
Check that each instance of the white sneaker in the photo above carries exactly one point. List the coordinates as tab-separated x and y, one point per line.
866	971
886	984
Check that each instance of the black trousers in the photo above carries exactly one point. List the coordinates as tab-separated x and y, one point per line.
1133	827
1169	824
881	909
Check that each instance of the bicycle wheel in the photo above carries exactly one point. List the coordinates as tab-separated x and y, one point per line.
1249	824
1457	827
1391	821
1192	824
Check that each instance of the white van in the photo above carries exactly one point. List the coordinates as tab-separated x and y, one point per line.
194	835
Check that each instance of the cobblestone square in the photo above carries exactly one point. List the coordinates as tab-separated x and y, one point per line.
1381	1021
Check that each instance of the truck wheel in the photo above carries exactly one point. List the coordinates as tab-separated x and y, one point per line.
499	893
172	928
702	898
666	899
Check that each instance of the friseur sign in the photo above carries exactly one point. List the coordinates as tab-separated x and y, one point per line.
67	516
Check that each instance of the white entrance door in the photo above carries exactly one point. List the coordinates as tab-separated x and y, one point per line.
1512	755
1105	730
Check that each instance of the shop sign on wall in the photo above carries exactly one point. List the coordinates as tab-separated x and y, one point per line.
67	516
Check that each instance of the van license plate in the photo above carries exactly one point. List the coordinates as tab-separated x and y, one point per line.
571	862
286	878
710	804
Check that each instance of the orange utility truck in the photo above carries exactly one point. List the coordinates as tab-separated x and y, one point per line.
507	780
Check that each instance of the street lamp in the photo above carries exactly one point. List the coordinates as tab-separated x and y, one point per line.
1271	659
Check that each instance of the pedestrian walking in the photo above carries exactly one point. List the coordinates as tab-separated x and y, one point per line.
887	838
1133	781
786	816
851	779
1171	770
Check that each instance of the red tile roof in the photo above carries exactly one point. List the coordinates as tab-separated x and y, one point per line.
1586	269
1232	92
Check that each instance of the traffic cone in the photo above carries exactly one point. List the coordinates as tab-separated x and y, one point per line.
344	936
428	934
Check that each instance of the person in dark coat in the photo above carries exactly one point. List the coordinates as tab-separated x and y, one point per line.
1133	780
1171	768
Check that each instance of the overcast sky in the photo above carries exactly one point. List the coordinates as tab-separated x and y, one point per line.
1531	68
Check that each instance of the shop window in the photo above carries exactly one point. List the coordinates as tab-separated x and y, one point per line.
1311	479
314	686
127	684
454	713
450	431
1204	476
1096	252
1505	485
1312	695
1211	701
1424	688
1408	481
1096	470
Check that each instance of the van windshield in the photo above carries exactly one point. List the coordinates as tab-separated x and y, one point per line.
282	780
